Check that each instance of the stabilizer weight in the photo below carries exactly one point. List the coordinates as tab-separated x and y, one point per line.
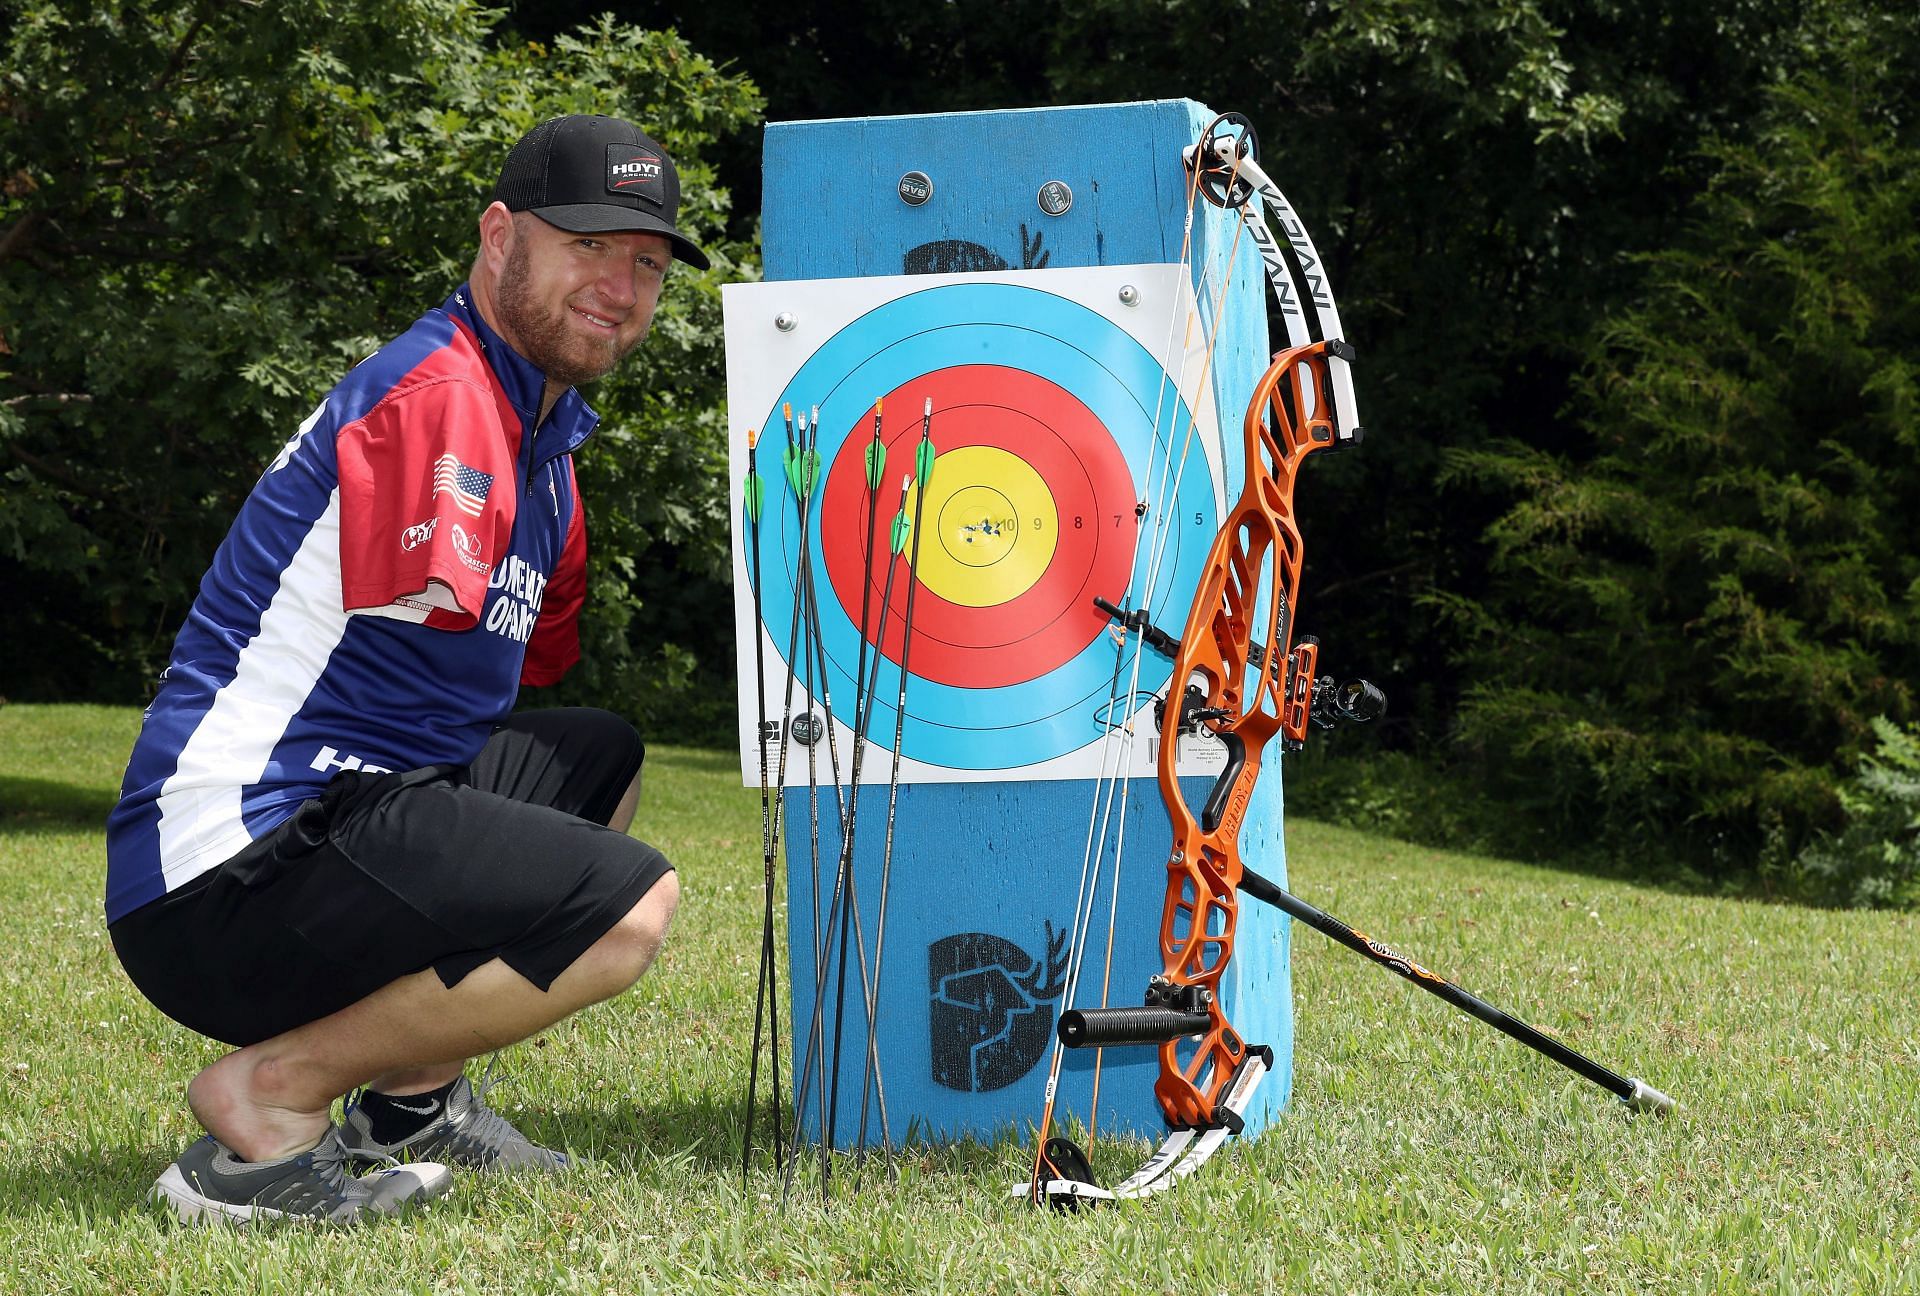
1646	1098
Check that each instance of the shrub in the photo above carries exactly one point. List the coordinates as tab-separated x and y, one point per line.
1875	859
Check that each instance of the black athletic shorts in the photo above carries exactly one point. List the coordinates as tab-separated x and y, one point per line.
384	875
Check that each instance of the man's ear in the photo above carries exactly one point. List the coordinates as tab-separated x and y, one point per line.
496	233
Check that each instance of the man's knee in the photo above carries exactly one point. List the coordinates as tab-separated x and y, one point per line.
636	939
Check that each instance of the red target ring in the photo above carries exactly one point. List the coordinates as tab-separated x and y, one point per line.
1048	621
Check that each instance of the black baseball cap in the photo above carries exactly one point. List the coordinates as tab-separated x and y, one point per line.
596	175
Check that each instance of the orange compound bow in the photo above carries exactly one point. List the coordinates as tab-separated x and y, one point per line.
1237	679
1239	676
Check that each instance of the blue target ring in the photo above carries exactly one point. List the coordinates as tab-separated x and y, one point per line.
1132	397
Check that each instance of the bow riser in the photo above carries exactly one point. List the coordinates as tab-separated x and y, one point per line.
1258	551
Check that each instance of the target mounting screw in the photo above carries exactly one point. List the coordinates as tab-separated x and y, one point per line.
915	188
786	321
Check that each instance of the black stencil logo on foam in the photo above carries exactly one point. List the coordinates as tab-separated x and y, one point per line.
991	1007
962	256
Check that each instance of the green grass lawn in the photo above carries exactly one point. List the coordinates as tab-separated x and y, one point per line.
1422	1151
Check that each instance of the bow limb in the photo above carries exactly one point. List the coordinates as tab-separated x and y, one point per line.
1302	292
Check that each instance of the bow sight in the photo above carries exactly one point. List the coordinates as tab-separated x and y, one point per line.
1329	702
1356	702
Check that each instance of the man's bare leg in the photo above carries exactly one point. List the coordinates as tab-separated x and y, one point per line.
415	1080
271	1099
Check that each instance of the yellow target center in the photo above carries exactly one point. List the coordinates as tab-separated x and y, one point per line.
991	526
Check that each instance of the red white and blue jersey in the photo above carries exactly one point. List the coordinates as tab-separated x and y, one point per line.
413	554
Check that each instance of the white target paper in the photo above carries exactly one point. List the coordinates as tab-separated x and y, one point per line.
1061	401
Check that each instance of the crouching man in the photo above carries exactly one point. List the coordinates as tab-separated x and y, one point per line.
337	848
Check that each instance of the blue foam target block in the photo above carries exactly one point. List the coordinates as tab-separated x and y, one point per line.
984	875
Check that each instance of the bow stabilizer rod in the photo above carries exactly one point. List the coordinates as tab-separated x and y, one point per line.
1176	1012
1170	1013
1637	1094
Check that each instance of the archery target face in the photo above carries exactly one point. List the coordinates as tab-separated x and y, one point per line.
1053	417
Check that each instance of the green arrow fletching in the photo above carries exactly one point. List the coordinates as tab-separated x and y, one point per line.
923	459
876	464
754	494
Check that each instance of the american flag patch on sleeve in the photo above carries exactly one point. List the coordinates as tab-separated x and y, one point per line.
467	486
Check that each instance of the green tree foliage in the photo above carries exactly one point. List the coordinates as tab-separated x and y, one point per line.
1700	608
1488	179
1624	276
210	211
1474	170
1475	173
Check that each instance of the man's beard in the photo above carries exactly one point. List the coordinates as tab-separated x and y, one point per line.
561	353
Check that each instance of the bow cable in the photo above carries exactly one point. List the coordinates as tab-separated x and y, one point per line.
1116	764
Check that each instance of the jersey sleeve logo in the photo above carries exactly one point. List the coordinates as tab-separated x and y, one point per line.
418	534
467	486
470	549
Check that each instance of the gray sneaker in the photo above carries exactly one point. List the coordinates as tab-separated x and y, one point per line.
466	1133
209	1182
